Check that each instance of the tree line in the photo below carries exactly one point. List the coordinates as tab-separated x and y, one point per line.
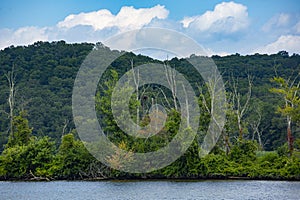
259	139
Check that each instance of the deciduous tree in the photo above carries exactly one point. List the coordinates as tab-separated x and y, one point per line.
290	92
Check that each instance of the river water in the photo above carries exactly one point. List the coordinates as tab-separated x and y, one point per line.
210	189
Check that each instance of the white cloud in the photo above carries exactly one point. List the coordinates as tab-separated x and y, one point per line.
22	36
128	18
86	27
226	17
187	20
289	43
164	41
219	30
277	21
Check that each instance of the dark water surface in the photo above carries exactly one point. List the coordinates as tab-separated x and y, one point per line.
210	189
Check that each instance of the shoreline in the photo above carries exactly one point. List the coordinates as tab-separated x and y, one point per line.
184	179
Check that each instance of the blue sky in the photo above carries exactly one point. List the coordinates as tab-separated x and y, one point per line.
221	27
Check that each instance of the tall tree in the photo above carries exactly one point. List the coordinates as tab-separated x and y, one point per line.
215	105
290	92
239	106
11	79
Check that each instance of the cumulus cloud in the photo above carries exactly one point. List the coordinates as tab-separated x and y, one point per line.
228	17
158	43
128	18
220	31
22	36
289	43
86	27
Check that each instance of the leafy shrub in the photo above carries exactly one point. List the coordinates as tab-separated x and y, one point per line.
243	151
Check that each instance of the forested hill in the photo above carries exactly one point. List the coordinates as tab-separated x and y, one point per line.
45	72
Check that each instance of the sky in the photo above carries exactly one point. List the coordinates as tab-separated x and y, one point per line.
221	27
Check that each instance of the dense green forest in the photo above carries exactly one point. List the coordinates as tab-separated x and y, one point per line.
38	136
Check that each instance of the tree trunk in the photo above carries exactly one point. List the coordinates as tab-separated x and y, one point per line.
171	78
226	143
259	140
290	138
240	130
11	98
136	79
187	107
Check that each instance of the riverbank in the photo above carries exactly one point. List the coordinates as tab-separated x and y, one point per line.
74	162
200	178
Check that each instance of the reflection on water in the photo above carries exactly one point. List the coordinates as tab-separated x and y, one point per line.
150	190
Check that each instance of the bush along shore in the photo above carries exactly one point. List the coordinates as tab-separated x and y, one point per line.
39	160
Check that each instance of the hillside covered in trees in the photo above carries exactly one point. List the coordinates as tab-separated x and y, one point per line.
38	135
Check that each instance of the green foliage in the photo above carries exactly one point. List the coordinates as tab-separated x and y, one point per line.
21	132
13	163
283	150
291	94
212	165
27	161
72	159
46	73
243	151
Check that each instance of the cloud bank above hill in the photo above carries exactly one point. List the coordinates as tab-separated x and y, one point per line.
227	28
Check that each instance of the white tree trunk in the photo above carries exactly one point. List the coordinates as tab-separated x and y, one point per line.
11	98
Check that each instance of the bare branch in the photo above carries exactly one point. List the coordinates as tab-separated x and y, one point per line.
240	109
171	78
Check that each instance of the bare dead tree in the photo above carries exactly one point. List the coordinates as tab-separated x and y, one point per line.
255	126
186	107
11	79
241	108
136	79
165	97
171	78
215	93
65	125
